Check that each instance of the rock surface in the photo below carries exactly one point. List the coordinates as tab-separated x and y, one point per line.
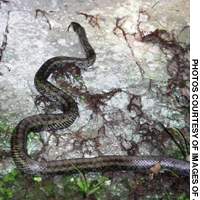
33	31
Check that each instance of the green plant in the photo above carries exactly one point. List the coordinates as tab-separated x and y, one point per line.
183	196
77	77
181	150
175	153
37	179
89	187
170	196
6	183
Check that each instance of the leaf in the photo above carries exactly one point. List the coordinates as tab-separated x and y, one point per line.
154	170
37	179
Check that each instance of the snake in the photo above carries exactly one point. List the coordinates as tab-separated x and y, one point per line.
68	113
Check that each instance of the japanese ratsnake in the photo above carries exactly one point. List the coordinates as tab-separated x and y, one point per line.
69	108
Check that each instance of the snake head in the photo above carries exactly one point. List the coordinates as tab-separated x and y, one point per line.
76	26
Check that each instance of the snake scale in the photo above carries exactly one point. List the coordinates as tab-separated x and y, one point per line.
69	112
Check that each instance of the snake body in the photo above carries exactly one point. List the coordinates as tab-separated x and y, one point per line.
64	119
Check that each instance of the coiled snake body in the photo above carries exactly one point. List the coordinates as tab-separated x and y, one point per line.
69	113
